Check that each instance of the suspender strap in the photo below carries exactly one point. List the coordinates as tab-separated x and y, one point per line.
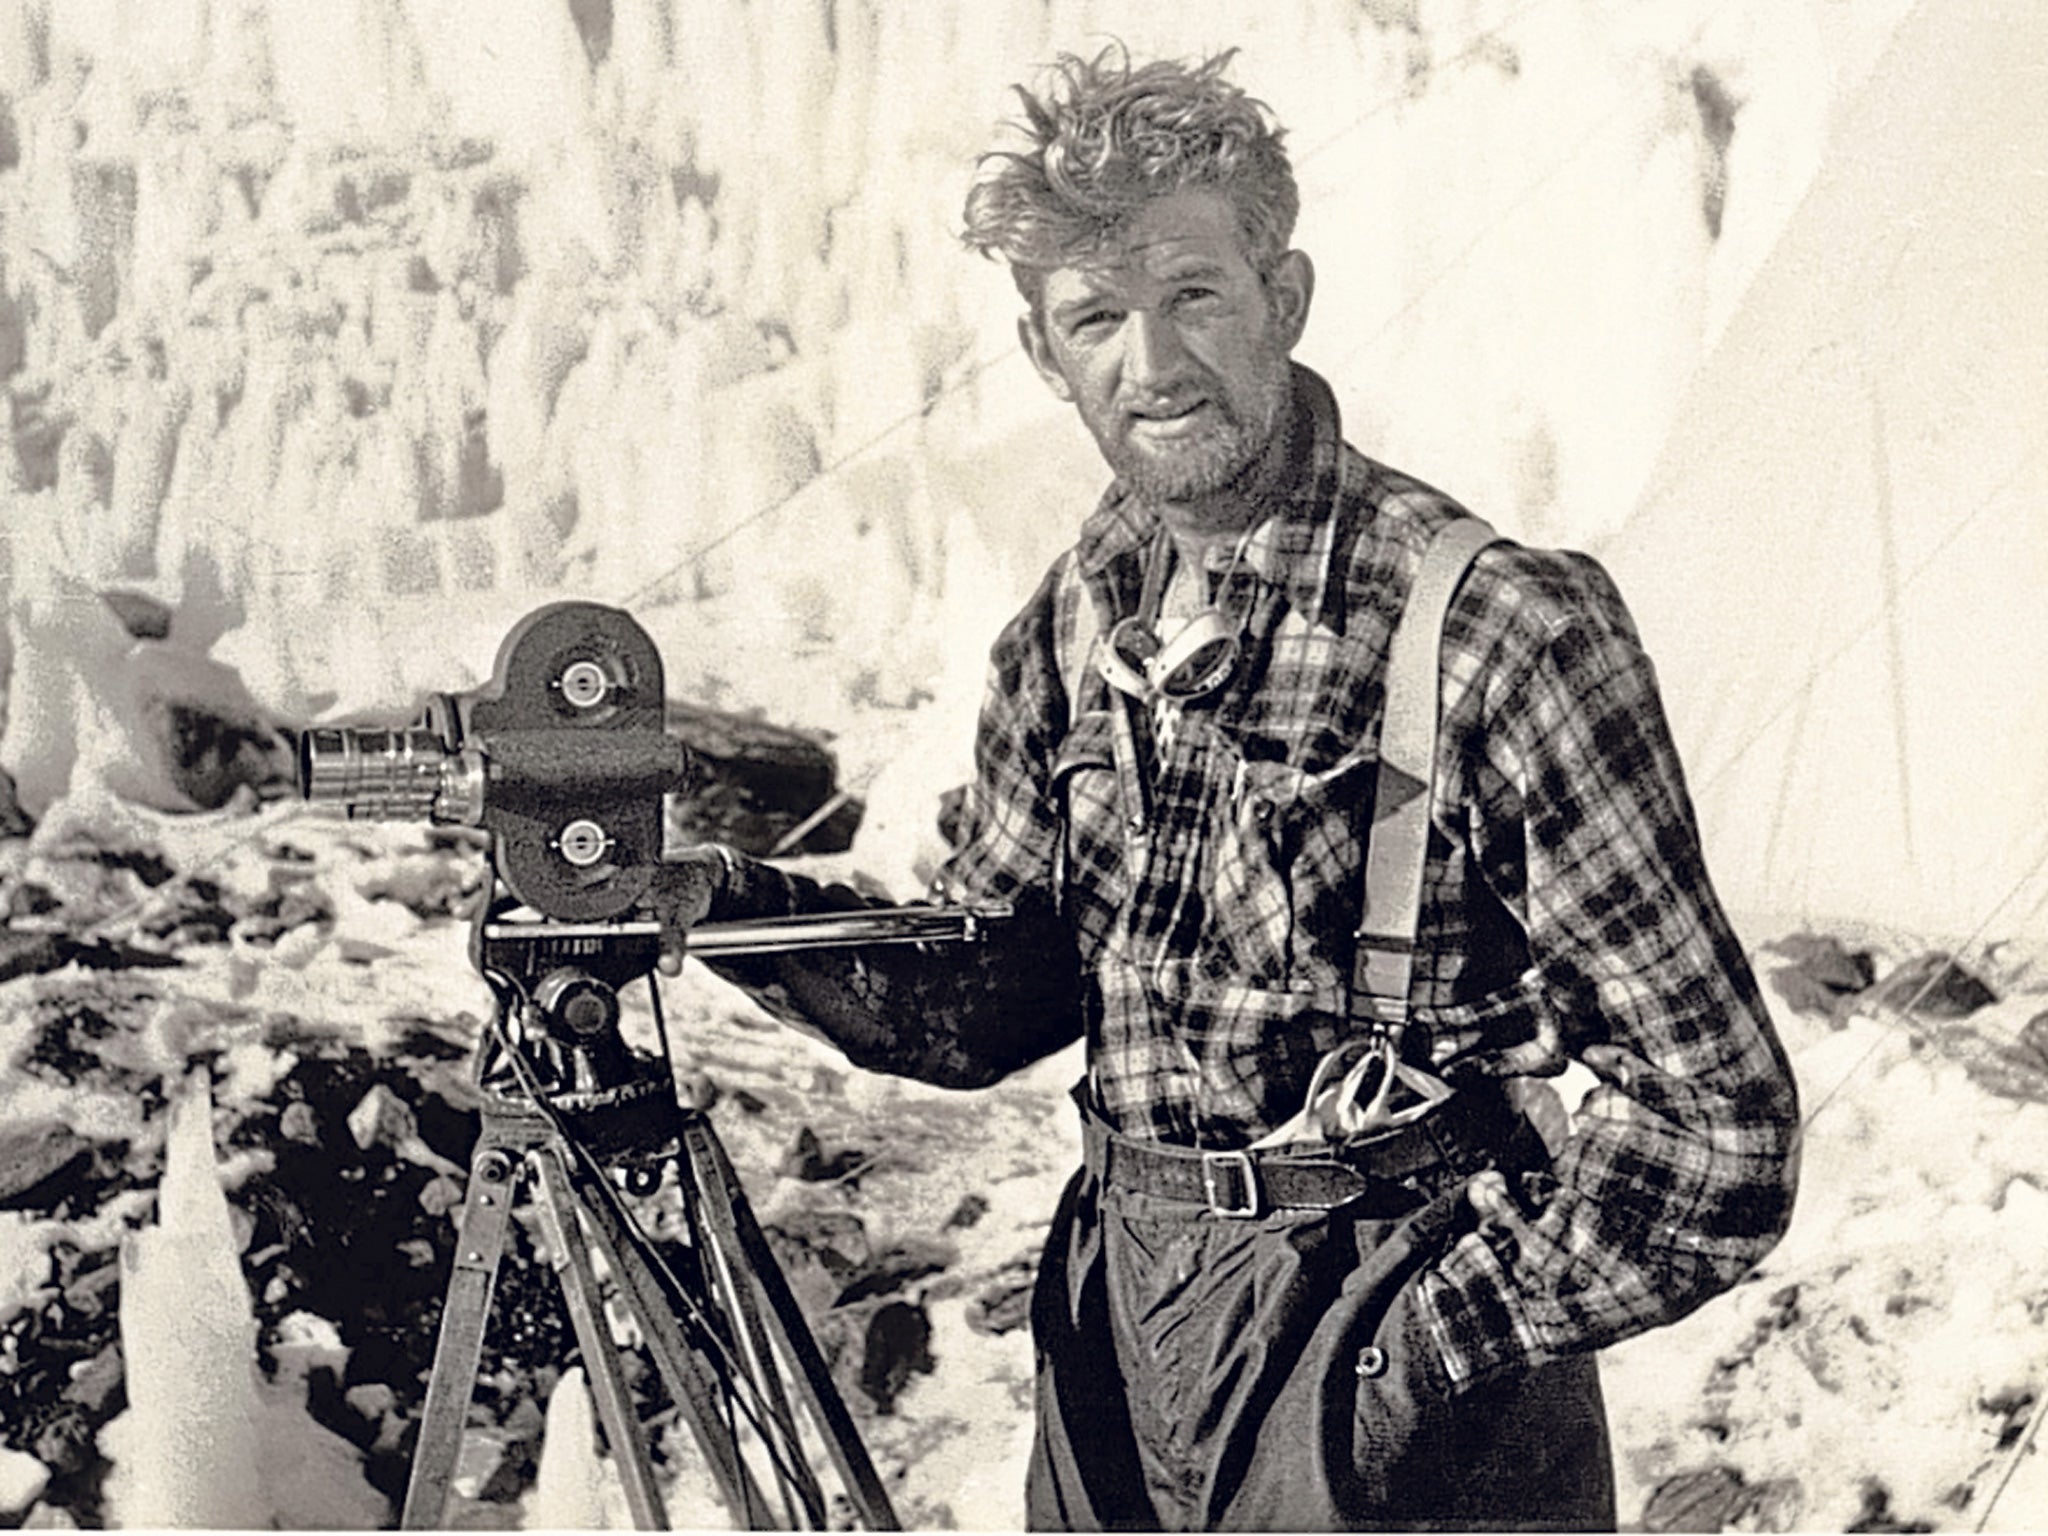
1384	969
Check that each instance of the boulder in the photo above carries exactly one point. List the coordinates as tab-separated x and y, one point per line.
34	1160
758	785
1934	986
1823	972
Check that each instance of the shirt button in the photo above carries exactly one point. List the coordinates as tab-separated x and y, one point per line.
1372	1361
1262	809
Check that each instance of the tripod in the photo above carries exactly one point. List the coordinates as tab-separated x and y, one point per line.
564	762
576	1119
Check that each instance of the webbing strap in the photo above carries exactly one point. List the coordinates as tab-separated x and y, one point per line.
1399	839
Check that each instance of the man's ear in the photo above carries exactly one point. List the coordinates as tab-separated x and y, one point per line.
1031	332
1292	284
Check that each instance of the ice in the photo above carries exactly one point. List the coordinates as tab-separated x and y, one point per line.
353	331
186	1452
204	1442
573	1490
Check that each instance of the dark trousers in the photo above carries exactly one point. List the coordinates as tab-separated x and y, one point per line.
1202	1372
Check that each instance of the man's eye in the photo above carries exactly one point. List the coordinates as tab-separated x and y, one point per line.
1194	297
1094	322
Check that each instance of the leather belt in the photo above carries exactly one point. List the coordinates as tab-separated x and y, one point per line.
1251	1183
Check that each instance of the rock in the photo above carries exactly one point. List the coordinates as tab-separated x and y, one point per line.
486	1466
1775	1505
697	1089
95	1382
897	1346
33	954
758	783
1822	974
1707	1499
371	1399
441	1194
382	1119
30	898
443	883
22	1481
1876	1513
143	616
1005	1302
1934	986
189	912
808	1160
65	1445
211	753
907	1260
14	821
291	902
34	1159
300	1122
89	1294
810	1241
967	1213
2033	1040
2014	1408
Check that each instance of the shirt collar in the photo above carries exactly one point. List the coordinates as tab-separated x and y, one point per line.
1293	543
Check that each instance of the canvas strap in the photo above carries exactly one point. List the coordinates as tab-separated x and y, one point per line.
1384	968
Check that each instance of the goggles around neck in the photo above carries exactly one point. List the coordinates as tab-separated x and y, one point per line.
1201	656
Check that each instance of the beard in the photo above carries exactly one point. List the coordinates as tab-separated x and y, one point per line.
1224	458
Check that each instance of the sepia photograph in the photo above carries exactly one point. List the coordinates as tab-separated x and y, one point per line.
1057	765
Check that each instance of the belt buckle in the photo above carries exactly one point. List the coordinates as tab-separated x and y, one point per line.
1247	1176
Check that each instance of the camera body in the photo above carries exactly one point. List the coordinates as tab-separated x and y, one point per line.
563	758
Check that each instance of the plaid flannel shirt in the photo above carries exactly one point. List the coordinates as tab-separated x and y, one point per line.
1210	927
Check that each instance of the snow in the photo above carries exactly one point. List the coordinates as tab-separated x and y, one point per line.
22	1481
374	324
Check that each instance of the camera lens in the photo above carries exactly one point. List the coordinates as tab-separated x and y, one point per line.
379	774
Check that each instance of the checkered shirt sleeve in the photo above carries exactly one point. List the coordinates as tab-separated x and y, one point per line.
1680	1172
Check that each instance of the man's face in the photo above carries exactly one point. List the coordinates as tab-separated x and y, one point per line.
1172	348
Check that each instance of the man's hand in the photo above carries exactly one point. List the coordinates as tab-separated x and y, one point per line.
685	893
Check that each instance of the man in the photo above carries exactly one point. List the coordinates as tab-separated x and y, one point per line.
1315	1273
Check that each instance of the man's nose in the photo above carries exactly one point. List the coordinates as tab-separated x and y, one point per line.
1154	354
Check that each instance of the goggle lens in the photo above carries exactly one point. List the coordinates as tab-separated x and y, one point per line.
1195	663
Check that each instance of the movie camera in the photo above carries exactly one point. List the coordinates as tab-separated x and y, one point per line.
563	761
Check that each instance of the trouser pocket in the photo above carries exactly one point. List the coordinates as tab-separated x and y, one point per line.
1339	1440
1524	1450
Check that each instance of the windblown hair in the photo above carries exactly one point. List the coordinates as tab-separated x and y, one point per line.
1106	138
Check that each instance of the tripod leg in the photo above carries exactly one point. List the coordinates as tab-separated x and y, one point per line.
465	1312
689	1364
726	1273
593	1335
731	1221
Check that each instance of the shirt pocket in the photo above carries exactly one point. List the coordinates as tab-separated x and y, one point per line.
1285	881
1089	874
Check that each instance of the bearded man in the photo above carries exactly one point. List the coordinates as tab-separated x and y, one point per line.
1319	1269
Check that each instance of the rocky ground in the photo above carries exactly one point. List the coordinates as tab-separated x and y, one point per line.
1882	1372
318	972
